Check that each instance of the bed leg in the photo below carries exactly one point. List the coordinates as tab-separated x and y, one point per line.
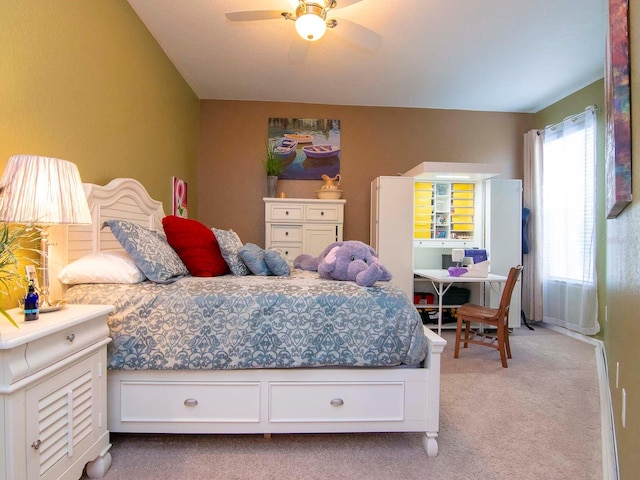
430	443
267	436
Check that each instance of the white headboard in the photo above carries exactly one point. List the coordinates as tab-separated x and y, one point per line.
122	198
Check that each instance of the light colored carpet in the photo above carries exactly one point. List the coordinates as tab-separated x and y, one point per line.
537	419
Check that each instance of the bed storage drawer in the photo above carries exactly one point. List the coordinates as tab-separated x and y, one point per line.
179	402
336	402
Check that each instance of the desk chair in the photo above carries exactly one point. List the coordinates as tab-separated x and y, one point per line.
496	317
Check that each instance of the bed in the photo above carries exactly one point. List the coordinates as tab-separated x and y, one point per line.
166	377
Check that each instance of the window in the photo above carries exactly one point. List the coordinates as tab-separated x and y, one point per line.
568	200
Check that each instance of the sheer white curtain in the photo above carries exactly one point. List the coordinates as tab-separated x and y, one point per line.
568	224
531	199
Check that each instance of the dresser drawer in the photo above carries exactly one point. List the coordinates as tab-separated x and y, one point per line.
291	212
336	402
289	252
181	402
45	351
323	213
286	233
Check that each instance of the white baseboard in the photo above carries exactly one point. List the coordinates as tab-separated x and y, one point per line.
610	469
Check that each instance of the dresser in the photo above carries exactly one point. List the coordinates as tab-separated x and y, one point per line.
302	225
53	377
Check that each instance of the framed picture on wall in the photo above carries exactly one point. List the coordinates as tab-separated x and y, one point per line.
618	110
309	147
179	198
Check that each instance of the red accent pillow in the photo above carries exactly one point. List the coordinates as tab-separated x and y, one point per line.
196	245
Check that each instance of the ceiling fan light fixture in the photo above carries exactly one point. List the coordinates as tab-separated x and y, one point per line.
311	27
311	19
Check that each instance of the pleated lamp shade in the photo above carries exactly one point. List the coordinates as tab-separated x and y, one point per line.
42	191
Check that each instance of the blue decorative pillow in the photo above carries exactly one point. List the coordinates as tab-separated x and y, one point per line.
253	257
230	244
149	250
276	262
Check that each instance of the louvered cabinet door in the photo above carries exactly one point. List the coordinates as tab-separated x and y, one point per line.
63	418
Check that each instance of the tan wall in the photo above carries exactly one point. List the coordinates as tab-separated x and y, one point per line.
374	141
86	81
622	333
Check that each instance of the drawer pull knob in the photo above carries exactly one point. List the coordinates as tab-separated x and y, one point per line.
321	213
71	337
287	212
36	445
286	234
190	402
337	402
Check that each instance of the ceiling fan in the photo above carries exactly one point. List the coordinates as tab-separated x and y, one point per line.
311	21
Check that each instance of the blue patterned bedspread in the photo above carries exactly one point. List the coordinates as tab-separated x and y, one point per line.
235	322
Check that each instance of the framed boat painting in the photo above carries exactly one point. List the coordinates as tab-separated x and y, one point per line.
308	147
618	110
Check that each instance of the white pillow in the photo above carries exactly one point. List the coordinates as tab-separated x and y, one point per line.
103	267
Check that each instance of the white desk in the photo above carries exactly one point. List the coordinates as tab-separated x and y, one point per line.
441	281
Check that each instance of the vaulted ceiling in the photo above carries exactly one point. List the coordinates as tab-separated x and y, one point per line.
486	55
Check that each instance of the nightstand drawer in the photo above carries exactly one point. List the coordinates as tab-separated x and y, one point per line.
48	350
285	212
323	213
286	233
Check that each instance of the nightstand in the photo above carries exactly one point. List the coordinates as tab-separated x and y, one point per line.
53	394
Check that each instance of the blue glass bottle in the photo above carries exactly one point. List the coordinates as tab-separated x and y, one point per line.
31	303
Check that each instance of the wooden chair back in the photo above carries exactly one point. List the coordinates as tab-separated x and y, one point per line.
507	292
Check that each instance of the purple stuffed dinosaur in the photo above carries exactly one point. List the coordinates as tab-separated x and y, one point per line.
351	261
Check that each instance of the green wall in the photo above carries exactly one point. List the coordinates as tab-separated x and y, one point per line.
623	286
591	95
85	81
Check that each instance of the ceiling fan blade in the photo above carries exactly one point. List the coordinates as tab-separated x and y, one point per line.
345	3
253	15
298	51
357	34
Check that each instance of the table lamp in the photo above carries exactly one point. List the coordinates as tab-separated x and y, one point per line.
42	191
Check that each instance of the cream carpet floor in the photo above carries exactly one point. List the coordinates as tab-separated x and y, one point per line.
537	419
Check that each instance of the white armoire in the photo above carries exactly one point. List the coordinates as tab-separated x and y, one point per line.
422	215
391	228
